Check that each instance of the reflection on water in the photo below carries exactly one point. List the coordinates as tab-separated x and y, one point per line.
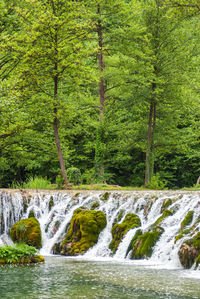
71	278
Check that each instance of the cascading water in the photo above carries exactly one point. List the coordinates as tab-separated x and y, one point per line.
54	211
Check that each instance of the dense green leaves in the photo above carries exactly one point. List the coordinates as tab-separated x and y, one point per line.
145	115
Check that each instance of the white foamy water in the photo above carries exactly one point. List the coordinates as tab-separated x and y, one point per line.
54	211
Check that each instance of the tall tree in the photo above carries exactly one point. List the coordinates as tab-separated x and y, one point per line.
50	41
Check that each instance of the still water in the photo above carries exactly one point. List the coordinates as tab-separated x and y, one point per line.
61	277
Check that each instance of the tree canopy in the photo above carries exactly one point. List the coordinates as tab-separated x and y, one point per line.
108	87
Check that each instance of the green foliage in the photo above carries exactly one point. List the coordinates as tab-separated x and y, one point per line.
37	183
156	183
19	253
59	181
150	58
74	175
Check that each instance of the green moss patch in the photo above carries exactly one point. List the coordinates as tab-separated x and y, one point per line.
105	196
187	220
84	231
165	214
142	246
120	230
166	203
95	205
27	231
189	252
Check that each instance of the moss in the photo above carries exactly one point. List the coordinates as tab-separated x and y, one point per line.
76	196
165	214
84	231
181	235
143	245
120	230
120	215
187	220
27	231
166	203
31	214
51	203
130	247
189	251
25	207
105	196
197	261
95	205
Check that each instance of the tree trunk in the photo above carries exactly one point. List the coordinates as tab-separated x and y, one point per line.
148	150
60	155
55	123
149	171
99	152
198	181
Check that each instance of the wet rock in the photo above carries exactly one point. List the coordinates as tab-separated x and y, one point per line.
27	231
120	230
142	246
84	231
189	252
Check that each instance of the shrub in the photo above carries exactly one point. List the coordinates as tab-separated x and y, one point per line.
74	175
59	181
19	253
37	183
156	183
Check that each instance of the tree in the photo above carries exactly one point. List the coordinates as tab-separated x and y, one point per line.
50	45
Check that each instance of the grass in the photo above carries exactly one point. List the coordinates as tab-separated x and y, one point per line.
33	183
44	183
105	187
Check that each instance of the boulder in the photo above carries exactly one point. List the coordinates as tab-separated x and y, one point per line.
83	232
27	231
189	252
142	246
119	230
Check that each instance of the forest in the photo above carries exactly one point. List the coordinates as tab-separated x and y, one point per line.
100	91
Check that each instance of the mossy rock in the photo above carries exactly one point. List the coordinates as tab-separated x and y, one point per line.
130	247
120	230
197	261
142	247
187	220
31	214
95	205
51	203
105	196
84	231
27	231
165	214
181	235
166	203
189	251
119	216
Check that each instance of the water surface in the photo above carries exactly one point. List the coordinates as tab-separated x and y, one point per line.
61	277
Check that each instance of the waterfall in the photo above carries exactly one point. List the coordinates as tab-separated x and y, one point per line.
55	209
